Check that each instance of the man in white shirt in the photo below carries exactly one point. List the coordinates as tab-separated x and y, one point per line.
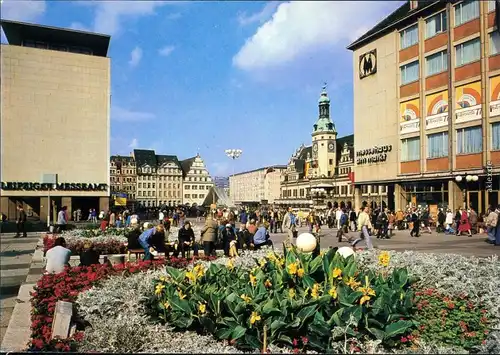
364	227
57	257
338	214
62	218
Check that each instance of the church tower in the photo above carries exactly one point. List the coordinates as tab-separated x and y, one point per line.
324	138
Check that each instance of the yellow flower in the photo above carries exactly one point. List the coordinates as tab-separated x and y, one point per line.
262	262
246	298
166	305
364	299
352	283
254	270
230	264
271	256
202	308
300	272
254	317
159	288
315	291
292	268
163	279
281	261
367	291
291	292
199	270
337	273
253	280
268	283
181	295
384	258
191	276
333	292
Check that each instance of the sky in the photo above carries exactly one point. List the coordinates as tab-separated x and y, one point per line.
201	77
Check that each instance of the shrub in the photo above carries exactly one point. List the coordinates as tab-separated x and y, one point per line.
287	299
66	286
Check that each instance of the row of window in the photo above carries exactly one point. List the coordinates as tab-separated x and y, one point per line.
194	196
150	185
158	177
373	189
337	190
464	12
130	180
121	172
150	203
465	53
197	187
469	141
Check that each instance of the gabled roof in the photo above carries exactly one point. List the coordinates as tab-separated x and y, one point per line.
186	164
162	159
145	157
340	146
402	14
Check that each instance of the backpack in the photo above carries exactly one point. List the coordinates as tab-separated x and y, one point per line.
493	222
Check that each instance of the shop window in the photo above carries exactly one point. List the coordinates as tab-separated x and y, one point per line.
409	72
364	189
468	52
495	136
491	5
409	36
494	43
436	63
466	11
410	149
470	140
437	145
436	24
374	189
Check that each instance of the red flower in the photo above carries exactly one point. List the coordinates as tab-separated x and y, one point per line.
295	342
404	339
305	340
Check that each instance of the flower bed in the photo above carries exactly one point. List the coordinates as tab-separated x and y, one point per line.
67	285
122	312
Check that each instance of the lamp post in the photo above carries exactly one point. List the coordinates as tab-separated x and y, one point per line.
233	154
318	193
468	179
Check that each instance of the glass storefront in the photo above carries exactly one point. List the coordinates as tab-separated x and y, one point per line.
432	193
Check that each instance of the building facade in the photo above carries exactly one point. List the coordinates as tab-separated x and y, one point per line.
256	186
197	181
320	172
427	106
123	177
55	106
159	179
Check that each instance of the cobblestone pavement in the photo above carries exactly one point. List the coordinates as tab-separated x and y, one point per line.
16	268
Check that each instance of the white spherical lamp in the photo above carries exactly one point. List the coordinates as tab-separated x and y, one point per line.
475	178
133	221
458	178
306	242
146	225
345	252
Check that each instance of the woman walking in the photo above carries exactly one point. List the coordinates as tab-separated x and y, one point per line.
464	225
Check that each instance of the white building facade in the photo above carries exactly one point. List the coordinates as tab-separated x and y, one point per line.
256	186
197	181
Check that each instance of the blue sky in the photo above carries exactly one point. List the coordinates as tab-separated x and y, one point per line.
207	76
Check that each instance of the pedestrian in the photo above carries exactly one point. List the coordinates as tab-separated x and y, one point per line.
415	231
21	223
364	227
492	226
187	240
146	240
464	224
441	219
209	236
289	226
62	219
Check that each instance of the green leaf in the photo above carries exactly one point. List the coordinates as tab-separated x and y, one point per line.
208	324
285	339
316	343
351	268
223	333
396	328
379	334
180	305
308	281
336	318
306	313
400	277
252	341
182	322
173	272
315	264
238	332
294	323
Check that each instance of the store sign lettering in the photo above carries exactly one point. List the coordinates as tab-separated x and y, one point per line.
373	155
436	121
410	126
469	114
36	186
494	108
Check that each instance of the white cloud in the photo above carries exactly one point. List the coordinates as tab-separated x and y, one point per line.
299	28
110	15
121	114
79	26
260	16
28	11
134	143
166	51
135	56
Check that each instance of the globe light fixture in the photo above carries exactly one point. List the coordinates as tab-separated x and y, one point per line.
233	153
475	178
458	178
306	242
345	252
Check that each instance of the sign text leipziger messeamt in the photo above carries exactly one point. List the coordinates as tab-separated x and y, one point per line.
373	155
36	186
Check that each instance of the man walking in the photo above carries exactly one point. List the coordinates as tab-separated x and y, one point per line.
415	232
21	223
289	226
364	227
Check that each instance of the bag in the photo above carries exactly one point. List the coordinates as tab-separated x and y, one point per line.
295	234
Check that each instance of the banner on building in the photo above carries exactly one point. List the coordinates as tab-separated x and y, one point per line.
468	102
436	108
495	96
120	199
410	116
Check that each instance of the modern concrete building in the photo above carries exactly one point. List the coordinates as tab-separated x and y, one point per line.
320	172
55	107
197	181
256	186
426	106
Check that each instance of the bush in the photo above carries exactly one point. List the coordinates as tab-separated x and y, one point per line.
287	300
66	286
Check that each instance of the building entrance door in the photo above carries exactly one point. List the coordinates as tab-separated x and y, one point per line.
391	203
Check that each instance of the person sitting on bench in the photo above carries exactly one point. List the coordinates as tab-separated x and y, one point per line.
147	239
187	240
89	256
261	237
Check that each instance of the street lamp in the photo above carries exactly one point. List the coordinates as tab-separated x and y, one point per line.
318	193
467	178
233	154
